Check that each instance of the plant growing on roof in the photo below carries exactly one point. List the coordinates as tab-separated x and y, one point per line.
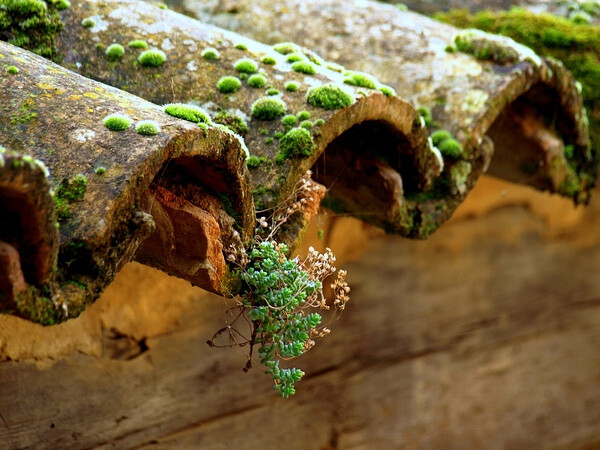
280	296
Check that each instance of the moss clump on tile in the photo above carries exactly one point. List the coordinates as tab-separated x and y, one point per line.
228	85
278	135
291	86
61	4
580	17
486	48
268	108
88	23
450	148
101	170
268	60
361	79
576	46
303	115
329	96
184	111
319	122
246	65
289	121
388	91
293	57
241	46
425	113
37	306
335	67
32	25
69	191
210	54
273	91
306	124
285	48
152	58
117	122
13	70
297	142
147	127
253	161
258	80
437	137
114	52
137	43
233	122
304	67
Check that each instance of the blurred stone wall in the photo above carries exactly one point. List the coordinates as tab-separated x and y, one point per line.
484	336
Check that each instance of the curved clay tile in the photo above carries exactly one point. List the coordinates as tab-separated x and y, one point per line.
524	109
111	190
370	149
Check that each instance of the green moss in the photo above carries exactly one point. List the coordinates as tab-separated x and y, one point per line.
388	91
246	65
361	79
401	7
258	80
289	121
285	48
303	115
12	70
232	121
278	135
306	124
147	127
329	96
152	58
580	17
210	54
184	111
114	52
117	122
319	122
450	148
31	24
268	60
577	46
101	170
228	85
297	142
241	46
304	67
425	113
268	108
291	86
293	57
439	136
485	47
72	190
138	43
264	131
62	4
88	23
253	161
36	305
335	67
273	91
569	151
269	140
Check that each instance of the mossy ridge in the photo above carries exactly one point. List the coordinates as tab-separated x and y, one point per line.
32	25
577	46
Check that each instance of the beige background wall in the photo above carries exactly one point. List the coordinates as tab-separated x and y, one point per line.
484	336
